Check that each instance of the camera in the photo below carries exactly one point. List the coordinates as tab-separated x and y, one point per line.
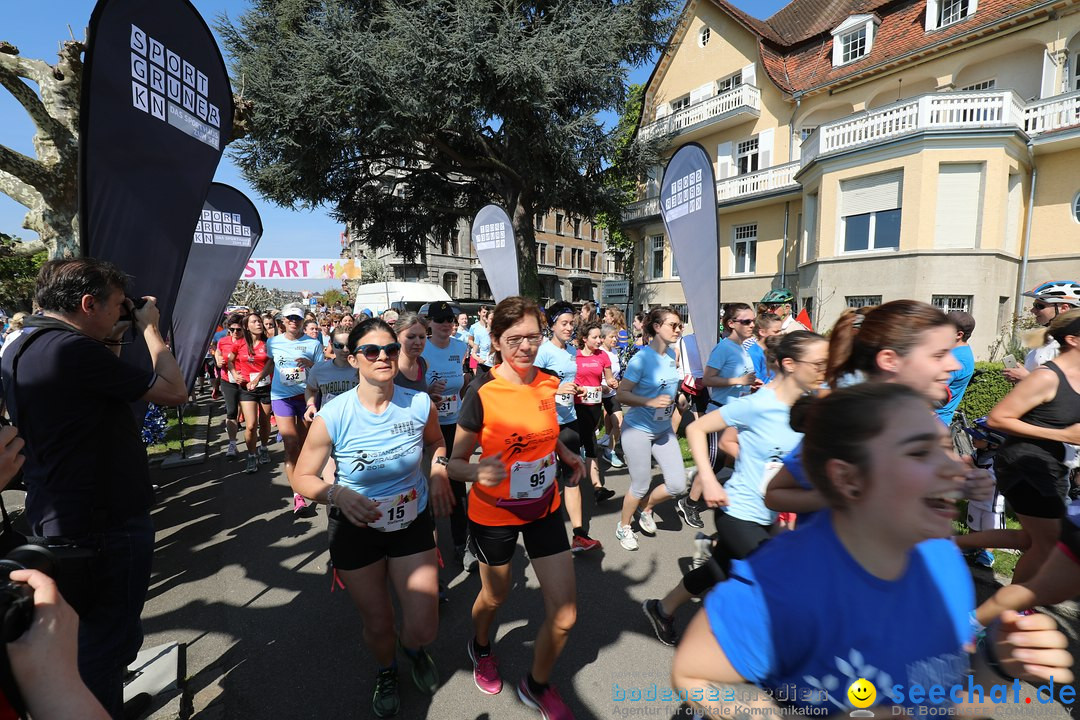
17	598
136	304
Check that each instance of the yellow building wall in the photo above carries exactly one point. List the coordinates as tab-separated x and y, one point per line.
1054	229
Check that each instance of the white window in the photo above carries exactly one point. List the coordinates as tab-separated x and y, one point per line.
680	103
952	11
952	303
745	248
703	36
746	156
657	268
1075	207
984	85
858	301
853	39
852	46
806	132
674	267
541	253
729	83
870	212
450	284
558	224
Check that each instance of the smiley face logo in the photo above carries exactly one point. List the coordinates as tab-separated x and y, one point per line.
862	693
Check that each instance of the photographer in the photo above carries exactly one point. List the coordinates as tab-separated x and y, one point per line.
86	472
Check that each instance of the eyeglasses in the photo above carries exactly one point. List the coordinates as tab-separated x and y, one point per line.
236	329
371	353
1039	306
675	325
516	340
744	323
340	346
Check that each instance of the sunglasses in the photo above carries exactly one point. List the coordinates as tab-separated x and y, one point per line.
743	322
1039	306
371	353
236	329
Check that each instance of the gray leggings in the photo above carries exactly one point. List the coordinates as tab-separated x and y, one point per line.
638	446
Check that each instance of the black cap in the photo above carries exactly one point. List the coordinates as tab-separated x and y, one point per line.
441	311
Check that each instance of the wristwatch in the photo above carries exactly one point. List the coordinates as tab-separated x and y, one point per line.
442	460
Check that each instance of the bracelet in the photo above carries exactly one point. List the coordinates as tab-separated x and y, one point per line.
115	343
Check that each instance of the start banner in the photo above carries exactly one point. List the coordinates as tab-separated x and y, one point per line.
301	269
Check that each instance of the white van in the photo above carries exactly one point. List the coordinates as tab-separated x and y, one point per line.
400	296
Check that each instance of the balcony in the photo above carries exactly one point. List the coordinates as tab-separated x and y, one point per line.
720	111
762	182
642	210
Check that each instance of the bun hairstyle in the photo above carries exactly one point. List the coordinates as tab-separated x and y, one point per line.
585	328
1065	324
840	425
730	310
367	326
656	316
792	346
858	337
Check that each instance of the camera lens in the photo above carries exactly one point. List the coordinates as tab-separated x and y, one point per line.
29	557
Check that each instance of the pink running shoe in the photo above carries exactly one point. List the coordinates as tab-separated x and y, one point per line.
550	705
485	672
302	507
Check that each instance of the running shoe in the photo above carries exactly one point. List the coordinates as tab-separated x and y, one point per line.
702	550
601	494
663	627
614	460
583	543
251	465
625	536
689	513
424	673
548	702
984	558
302	507
468	559
385	701
264	455
647	522
230	453
485	672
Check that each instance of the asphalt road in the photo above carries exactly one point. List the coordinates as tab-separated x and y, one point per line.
246	586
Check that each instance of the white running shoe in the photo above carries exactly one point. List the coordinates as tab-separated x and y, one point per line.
231	452
647	522
625	535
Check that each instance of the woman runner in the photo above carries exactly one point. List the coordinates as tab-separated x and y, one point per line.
230	387
593	378
250	358
380	525
510	412
411	332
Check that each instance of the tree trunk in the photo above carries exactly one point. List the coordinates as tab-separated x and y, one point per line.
528	270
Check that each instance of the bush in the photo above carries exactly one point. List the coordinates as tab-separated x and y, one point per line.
986	389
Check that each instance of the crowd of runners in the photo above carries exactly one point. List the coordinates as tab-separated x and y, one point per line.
828	462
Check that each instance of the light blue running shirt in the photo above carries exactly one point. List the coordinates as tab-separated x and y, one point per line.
379	455
331	380
562	363
482	338
653	374
730	361
289	378
445	364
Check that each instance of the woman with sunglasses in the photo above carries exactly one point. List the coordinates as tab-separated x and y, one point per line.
411	332
873	588
381	530
230	387
648	388
729	372
445	377
249	360
327	380
743	521
510	413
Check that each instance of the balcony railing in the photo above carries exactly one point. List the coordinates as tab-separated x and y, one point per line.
649	207
763	181
741	98
1052	113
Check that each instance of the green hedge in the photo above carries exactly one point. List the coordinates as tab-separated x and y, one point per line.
986	389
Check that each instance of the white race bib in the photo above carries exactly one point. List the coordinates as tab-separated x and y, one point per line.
565	399
448	406
771	468
591	395
530	479
292	376
262	383
398	511
663	413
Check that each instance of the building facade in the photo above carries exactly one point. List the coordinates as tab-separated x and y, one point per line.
871	150
572	257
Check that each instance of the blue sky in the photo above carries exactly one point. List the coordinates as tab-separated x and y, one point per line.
36	29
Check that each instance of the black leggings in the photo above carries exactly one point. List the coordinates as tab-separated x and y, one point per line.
459	519
231	392
588	417
735	539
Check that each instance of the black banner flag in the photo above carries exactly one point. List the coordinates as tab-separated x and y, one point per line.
225	236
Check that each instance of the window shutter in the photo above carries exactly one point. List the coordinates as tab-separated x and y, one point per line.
749	75
871	193
1049	75
702	93
663	110
765	148
959	204
725	163
931	14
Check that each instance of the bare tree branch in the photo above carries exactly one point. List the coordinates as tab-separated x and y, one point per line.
32	104
18	190
27	248
26	169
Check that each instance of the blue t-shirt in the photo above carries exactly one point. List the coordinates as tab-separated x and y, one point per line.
761	365
793	464
562	363
765	436
958	382
289	378
482	338
730	360
331	380
445	364
801	613
653	374
379	456
462	334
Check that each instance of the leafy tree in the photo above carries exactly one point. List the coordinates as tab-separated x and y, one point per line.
258	297
19	272
332	296
406	116
622	176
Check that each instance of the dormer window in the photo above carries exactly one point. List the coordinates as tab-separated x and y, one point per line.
853	39
940	13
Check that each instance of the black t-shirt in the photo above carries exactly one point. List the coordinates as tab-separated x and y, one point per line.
86	466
